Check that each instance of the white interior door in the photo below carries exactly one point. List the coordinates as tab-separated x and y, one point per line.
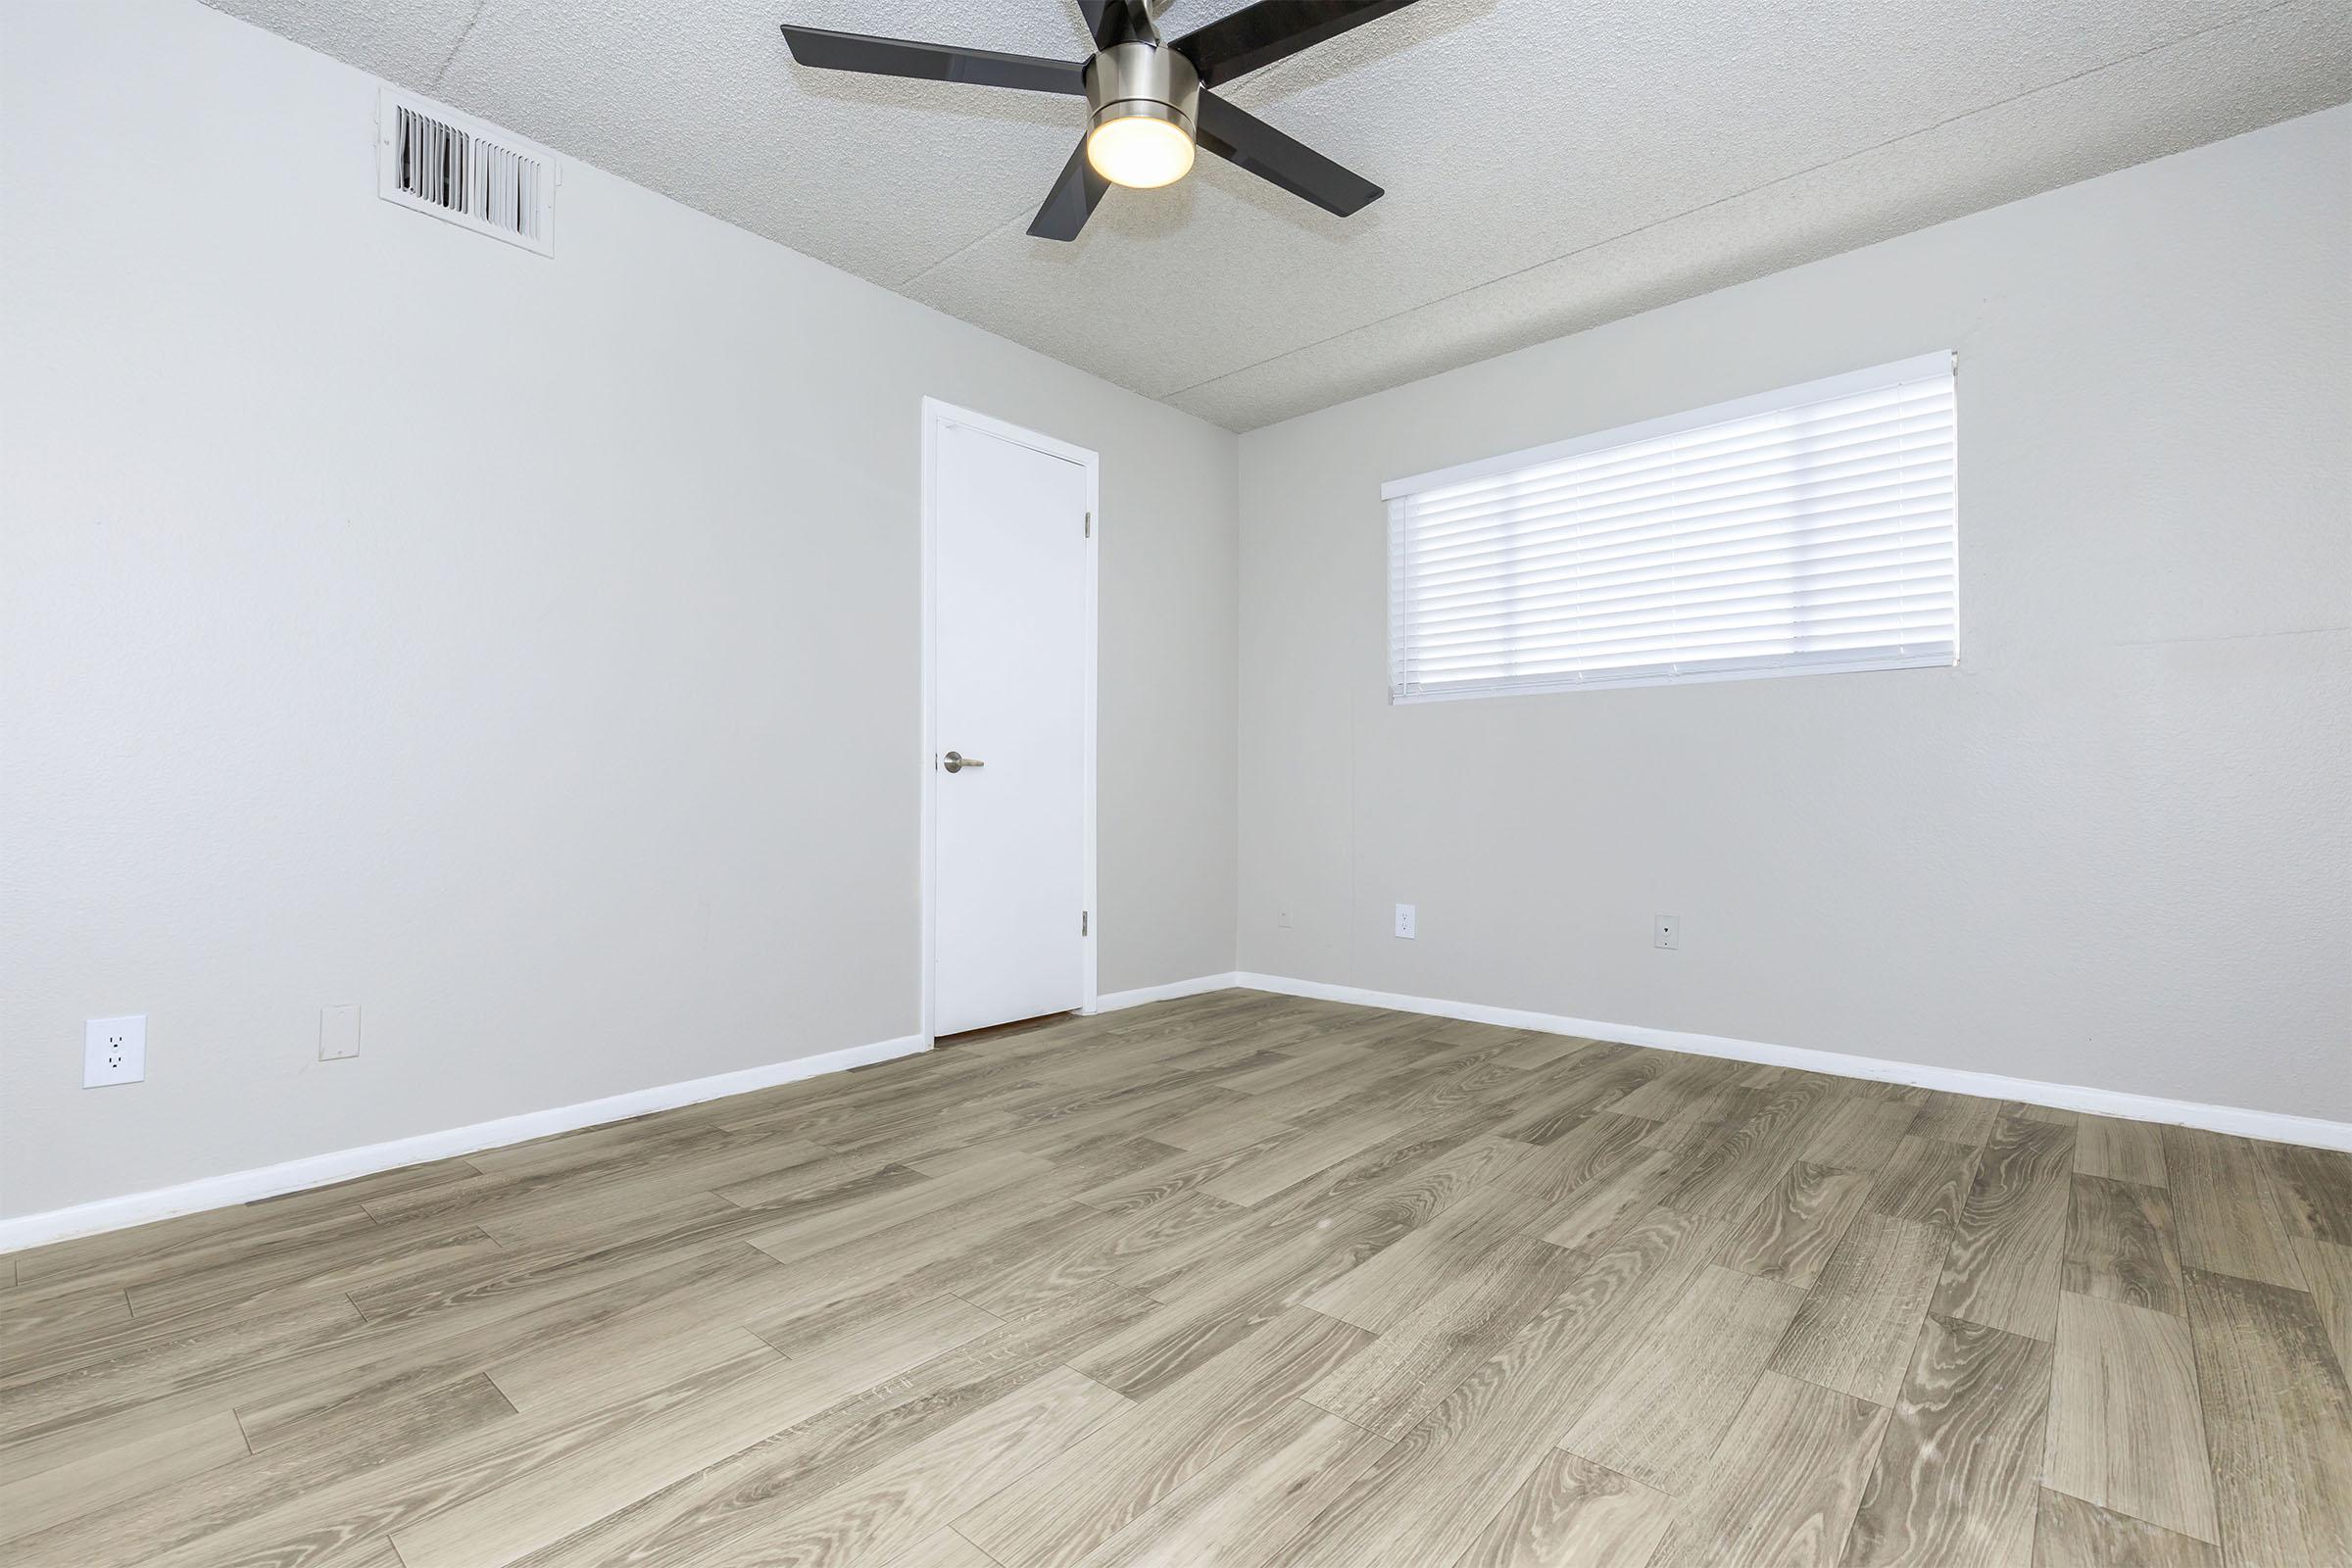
1011	634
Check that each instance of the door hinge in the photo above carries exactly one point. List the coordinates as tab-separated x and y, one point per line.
1082	922
1090	525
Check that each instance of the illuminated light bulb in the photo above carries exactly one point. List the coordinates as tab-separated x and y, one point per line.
1139	151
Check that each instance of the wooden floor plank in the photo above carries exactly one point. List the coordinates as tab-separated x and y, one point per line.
1202	1314
1724	1177
1394	1384
1541	1051
1861	1132
943	1548
1591	1218
818	1462
36	1325
936	1205
275	1496
2119	1245
1859	1322
547	1502
30	1503
2227	1212
1674	1086
1298	1158
1317	1063
285	1400
1600	1146
1791	1230
1219	1128
544	1503
1432	1266
1955	1118
118	1371
1926	1180
1956	1480
2124	1429
1058	1513
2328	1267
1447	1477
2278	1417
1027	1268
1238	1511
1571	1511
2314	1187
191	1272
1782	1485
1557	1103
1002	1257
2068	1533
215	1238
893	1506
2008	1249
1661	1414
2119	1151
637	1356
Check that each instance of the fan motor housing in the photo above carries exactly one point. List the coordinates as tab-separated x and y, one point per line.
1142	80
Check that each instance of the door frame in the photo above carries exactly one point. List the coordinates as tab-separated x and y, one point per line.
938	415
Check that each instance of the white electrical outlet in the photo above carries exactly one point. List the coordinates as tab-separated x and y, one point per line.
114	1051
1405	921
338	1032
1669	933
1282	918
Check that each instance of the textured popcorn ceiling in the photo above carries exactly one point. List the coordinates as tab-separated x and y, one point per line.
1550	166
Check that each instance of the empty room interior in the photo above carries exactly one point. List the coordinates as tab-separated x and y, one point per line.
1082	783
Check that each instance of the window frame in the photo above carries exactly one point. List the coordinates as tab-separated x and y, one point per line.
1941	363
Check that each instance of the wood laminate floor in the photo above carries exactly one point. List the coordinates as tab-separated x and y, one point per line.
1236	1280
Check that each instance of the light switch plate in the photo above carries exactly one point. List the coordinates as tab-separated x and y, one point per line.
114	1051
338	1032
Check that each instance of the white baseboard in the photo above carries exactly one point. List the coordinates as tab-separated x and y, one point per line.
320	1170
2270	1125
1166	992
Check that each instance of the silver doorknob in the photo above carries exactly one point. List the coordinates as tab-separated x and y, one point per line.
957	762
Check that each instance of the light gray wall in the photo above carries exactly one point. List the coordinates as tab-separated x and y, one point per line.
523	649
2110	848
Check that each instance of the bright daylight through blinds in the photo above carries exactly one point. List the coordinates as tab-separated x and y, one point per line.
1806	529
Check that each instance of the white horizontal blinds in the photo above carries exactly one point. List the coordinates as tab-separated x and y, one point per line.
1808	530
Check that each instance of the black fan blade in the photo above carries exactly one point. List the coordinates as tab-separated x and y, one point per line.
1117	21
1072	200
931	61
1263	33
1241	138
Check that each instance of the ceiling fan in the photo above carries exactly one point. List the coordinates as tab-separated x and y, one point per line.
1148	101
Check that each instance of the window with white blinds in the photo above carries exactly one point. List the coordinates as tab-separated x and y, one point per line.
1801	530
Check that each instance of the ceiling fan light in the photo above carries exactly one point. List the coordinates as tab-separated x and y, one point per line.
1141	151
1141	100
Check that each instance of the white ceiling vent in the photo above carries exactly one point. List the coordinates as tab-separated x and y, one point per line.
473	175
